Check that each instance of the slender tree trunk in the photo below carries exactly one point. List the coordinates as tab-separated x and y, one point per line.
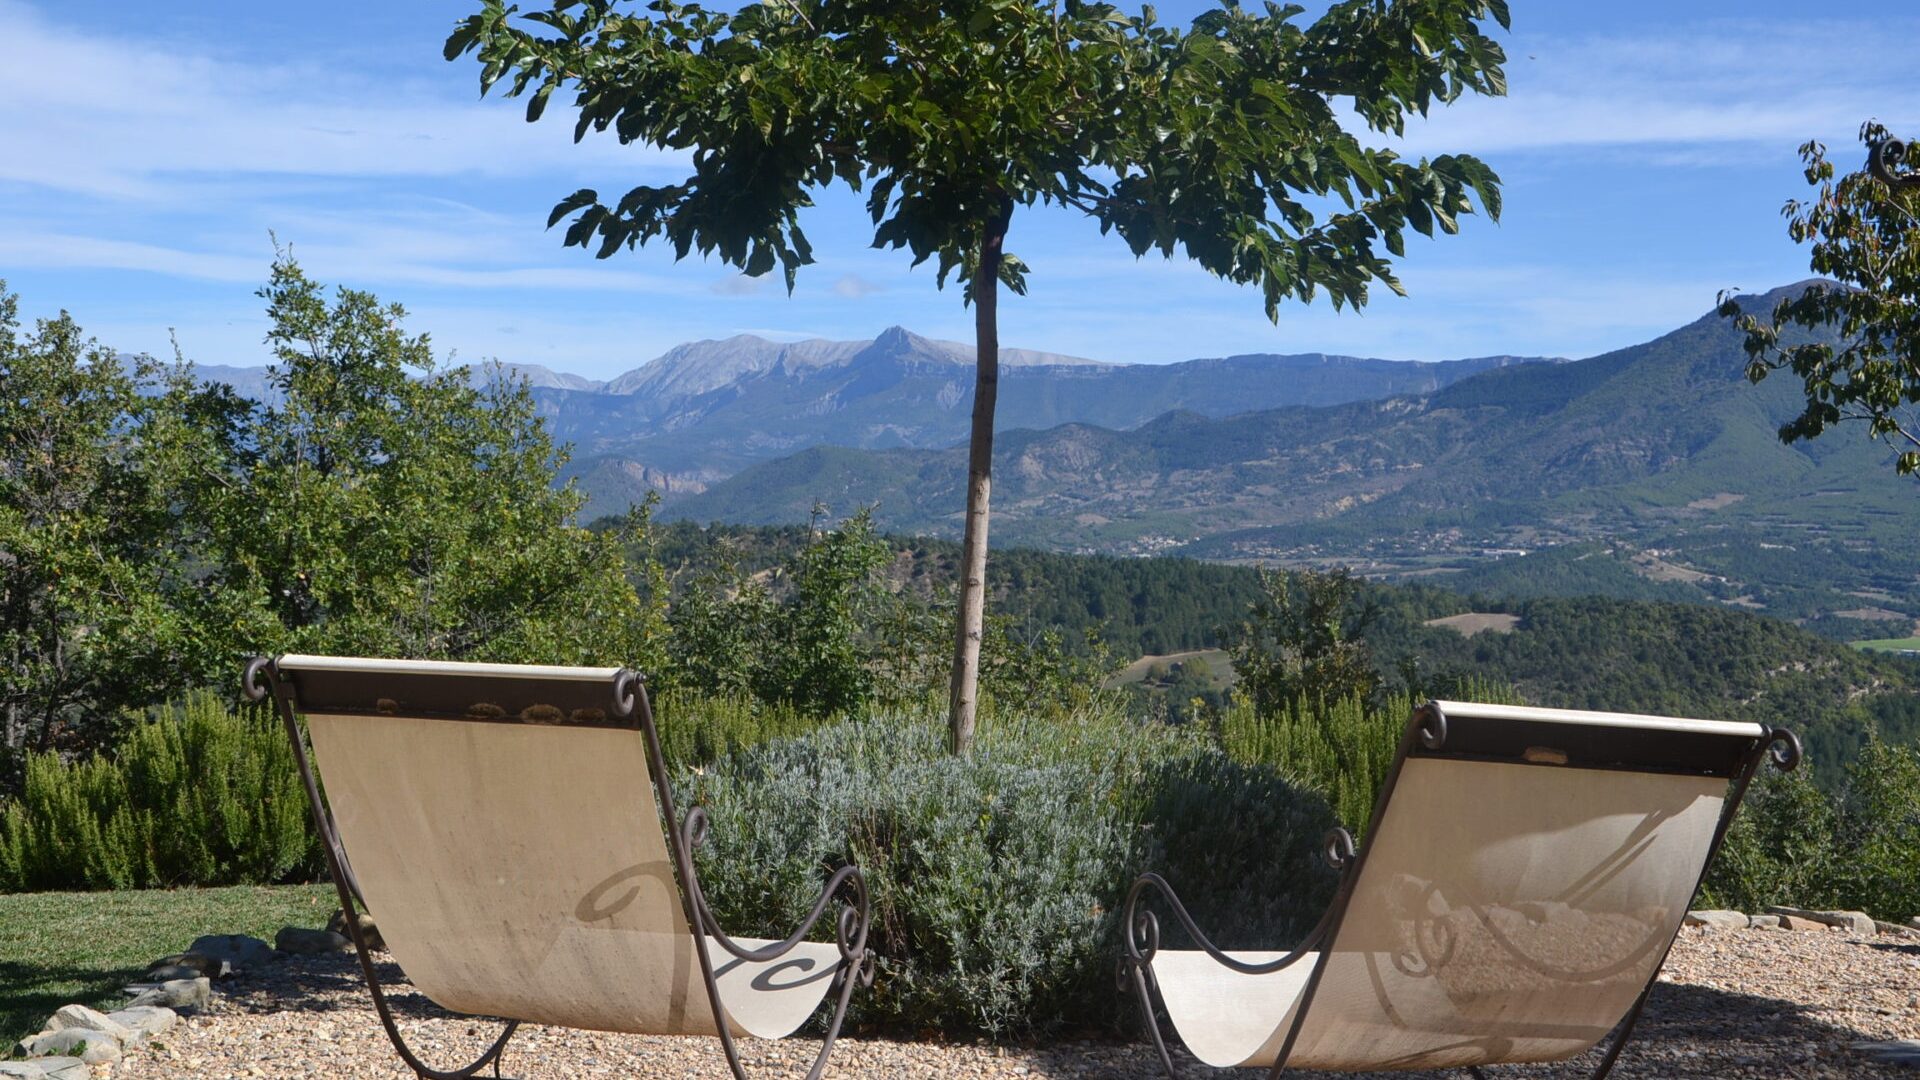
970	619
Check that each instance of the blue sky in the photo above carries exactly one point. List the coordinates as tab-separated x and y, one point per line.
148	150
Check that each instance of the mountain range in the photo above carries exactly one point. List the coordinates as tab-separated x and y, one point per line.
703	411
1661	457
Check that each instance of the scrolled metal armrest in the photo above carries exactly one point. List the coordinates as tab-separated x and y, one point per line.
1783	749
1142	931
850	928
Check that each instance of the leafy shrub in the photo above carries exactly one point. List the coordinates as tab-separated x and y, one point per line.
1793	845
1779	849
195	795
997	879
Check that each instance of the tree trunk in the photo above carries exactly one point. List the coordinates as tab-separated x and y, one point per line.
970	619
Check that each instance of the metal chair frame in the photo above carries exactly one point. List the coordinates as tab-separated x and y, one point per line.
1426	729
629	706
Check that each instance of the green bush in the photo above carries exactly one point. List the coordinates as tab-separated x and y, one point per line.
1792	844
997	879
1342	748
1779	849
194	795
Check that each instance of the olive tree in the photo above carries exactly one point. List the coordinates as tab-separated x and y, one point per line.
1854	339
1231	141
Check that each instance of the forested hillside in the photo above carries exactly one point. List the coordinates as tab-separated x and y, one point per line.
1647	654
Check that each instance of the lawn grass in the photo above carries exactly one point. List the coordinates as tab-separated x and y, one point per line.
1891	644
59	948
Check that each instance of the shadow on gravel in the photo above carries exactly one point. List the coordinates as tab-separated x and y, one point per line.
1691	1033
1688	1032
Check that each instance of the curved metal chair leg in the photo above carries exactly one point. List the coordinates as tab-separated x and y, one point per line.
1140	977
264	671
1625	1032
490	1056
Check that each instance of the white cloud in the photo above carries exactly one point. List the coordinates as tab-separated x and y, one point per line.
855	287
120	118
1704	84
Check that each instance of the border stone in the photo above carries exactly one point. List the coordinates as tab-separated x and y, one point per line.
1717	920
1857	921
238	950
201	964
302	942
81	1018
145	1021
94	1047
1892	1052
1795	922
369	930
1763	922
47	1068
179	994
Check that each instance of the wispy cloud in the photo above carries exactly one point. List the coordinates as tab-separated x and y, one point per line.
855	287
118	118
1705	84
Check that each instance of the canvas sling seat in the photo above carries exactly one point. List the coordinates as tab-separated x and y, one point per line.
505	824
1524	873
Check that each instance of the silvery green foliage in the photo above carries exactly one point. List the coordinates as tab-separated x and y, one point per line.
997	879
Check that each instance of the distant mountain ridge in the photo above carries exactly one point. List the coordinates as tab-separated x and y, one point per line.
1663	446
703	411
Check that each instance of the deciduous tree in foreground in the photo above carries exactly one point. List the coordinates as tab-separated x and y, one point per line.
1865	232
1228	141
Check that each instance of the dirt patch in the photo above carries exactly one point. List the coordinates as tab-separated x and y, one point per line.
1649	565
1871	613
1217	659
1473	622
1715	502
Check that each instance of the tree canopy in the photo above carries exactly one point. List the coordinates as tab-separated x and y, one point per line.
1861	361
1224	141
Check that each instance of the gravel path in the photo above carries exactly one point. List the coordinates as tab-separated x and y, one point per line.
1732	1003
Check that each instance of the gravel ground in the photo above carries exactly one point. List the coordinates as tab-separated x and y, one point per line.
1732	1003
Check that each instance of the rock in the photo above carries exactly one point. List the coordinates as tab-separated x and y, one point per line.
1895	929
369	931
1857	921
1914	922
179	994
238	951
1895	1052
170	972
145	1021
299	942
201	964
81	1018
1763	922
1719	920
93	1047
47	1068
1795	922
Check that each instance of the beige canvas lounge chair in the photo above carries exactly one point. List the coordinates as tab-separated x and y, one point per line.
1523	876
502	821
